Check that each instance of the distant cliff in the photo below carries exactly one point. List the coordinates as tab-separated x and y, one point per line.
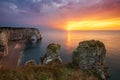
8	34
20	33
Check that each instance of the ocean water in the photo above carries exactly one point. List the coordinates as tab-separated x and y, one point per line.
69	41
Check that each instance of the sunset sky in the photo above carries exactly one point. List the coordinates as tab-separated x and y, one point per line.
62	14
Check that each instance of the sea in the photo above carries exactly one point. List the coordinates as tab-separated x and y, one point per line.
69	41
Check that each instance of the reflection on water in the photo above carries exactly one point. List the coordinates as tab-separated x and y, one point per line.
68	42
69	38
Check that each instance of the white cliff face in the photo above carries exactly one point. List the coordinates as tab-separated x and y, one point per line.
3	44
90	56
21	33
38	35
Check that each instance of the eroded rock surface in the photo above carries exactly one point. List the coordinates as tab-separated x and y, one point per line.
90	56
14	34
52	54
3	44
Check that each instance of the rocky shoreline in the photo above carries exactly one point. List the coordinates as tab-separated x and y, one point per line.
89	56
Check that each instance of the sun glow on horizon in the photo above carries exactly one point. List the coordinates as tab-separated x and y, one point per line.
69	28
107	24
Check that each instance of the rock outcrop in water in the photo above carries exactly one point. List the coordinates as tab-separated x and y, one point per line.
90	56
52	54
3	44
30	62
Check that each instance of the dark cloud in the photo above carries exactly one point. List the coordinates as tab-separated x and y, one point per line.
57	1
48	11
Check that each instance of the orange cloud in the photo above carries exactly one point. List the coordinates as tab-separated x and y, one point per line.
105	24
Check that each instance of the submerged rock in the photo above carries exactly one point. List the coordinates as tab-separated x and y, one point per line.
52	55
30	62
90	56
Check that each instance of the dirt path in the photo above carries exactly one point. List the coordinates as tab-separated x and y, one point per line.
13	54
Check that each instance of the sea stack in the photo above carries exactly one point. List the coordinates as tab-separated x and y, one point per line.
52	55
90	56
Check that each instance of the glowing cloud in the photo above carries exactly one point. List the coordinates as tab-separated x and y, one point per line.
109	24
62	14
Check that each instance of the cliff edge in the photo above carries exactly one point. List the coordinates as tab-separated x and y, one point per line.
8	34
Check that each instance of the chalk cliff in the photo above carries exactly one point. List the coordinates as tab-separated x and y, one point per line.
20	33
8	34
3	44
